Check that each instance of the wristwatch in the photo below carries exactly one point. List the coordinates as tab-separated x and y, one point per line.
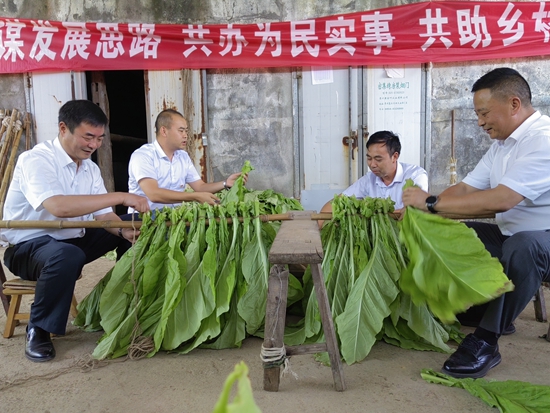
430	203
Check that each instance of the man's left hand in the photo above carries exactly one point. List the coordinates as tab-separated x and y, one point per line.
415	197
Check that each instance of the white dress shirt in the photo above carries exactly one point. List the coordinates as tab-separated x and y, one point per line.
372	186
43	172
522	163
150	161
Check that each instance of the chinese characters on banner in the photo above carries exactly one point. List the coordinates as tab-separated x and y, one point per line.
416	33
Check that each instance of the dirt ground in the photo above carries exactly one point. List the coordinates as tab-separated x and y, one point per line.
388	380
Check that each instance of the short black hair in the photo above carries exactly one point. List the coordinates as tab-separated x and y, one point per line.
390	139
75	112
164	118
505	82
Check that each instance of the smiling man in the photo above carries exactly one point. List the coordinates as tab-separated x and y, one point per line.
511	181
161	170
386	175
53	181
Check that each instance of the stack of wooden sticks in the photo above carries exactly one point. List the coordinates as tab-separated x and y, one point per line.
11	131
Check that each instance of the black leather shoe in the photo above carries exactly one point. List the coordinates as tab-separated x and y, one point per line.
511	329
473	358
39	346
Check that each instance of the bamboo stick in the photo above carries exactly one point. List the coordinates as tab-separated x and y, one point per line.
7	143
3	114
7	173
28	131
62	224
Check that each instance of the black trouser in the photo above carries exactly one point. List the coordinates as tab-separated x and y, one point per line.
56	265
525	257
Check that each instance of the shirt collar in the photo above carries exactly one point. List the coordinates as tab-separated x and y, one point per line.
62	156
161	152
159	149
519	133
397	178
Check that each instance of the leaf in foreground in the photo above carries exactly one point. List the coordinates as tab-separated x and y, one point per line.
243	402
508	396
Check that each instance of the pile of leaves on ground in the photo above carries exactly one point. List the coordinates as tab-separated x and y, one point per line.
202	280
508	396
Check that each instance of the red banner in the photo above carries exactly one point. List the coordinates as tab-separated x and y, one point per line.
436	31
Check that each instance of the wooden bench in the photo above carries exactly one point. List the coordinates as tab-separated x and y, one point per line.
297	242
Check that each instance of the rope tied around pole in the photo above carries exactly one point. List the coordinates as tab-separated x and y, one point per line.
140	345
276	357
17	126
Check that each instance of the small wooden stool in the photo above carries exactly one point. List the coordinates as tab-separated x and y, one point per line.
17	288
297	242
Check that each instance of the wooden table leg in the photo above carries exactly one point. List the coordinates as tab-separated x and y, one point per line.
275	316
328	327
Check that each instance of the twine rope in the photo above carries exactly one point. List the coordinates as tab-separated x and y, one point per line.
276	356
140	345
452	169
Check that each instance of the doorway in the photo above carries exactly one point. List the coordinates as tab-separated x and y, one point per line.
127	120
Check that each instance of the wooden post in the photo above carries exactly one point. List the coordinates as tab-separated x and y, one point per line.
105	152
275	317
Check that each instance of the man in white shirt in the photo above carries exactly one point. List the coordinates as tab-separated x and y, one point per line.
56	180
161	170
511	181
386	175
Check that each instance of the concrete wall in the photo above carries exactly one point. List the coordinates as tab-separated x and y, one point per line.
250	111
12	92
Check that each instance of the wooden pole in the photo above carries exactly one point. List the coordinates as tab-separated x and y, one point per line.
28	131
452	167
105	152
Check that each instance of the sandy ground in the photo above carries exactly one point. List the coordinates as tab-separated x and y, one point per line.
387	381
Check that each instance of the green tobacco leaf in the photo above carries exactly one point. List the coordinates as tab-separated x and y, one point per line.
450	270
88	317
116	298
174	283
367	306
233	330
237	191
255	269
508	396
